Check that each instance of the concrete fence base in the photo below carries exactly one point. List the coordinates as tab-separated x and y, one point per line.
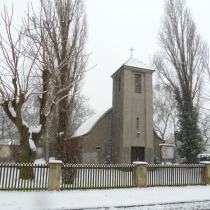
141	174
207	175
54	175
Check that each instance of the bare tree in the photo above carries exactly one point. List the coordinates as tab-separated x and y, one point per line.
164	116
27	70
65	24
45	64
180	65
14	83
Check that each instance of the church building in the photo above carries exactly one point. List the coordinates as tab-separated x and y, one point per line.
124	133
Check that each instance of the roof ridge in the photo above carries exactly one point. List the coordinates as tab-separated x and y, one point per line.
133	62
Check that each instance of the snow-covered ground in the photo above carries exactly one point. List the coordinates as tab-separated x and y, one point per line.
190	197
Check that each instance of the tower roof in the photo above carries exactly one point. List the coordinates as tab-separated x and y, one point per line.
136	63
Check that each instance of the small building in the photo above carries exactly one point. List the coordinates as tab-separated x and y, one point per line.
8	150
124	133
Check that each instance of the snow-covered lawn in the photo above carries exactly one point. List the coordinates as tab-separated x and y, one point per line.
126	198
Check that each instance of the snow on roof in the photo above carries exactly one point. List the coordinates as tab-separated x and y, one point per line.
90	123
136	63
9	142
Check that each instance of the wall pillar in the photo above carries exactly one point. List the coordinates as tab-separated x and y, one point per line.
207	174
141	174
54	175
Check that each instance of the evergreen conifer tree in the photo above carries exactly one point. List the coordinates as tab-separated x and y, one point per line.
189	134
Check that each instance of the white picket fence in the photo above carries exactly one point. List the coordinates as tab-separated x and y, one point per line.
9	177
98	176
175	175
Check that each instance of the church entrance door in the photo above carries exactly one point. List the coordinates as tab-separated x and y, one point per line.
137	154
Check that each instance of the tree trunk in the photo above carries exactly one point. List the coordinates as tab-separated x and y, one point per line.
27	156
62	115
47	148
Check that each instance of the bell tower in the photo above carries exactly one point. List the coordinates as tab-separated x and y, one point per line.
132	123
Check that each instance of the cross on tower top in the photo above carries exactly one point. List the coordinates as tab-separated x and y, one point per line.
131	51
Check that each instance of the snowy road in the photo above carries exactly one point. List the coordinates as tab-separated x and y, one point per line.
173	206
137	198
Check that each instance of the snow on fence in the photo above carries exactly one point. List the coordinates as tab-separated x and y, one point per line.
95	176
9	177
175	175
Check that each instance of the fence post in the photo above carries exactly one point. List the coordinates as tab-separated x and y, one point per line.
141	174
207	174
54	175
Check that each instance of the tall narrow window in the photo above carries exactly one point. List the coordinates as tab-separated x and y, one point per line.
137	123
119	84
138	83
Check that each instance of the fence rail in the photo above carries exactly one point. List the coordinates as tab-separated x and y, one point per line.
175	175
10	180
85	177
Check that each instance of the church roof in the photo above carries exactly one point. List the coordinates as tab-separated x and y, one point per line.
133	62
89	124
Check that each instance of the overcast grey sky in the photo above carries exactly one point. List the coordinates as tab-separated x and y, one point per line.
114	27
117	25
